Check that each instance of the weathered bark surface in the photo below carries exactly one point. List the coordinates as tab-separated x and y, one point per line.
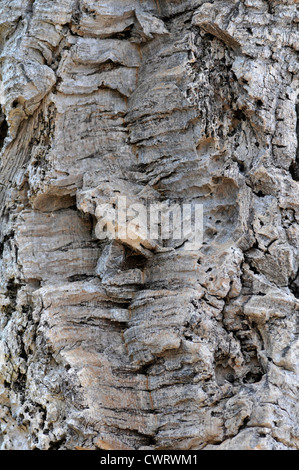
118	347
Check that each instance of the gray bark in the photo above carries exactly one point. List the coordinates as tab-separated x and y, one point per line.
134	345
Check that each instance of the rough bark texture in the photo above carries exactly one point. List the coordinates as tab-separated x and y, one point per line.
112	346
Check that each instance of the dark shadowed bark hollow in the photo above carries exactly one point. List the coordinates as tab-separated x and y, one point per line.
125	344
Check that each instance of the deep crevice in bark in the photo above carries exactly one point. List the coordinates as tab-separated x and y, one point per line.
294	168
3	128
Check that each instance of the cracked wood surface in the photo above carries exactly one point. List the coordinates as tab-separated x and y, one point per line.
112	345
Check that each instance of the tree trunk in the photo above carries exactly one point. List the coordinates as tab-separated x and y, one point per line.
119	341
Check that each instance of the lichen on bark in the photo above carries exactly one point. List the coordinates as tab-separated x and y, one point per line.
113	345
